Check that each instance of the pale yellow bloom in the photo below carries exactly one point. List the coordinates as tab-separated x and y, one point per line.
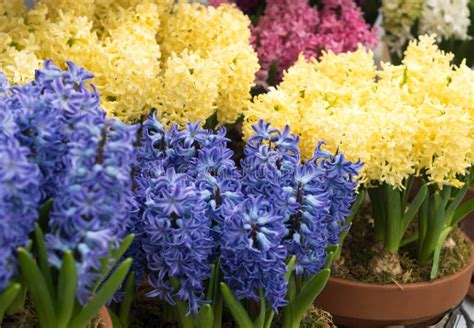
191	75
131	46
414	118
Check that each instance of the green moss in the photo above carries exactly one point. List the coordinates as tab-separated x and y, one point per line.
317	318
314	318
360	247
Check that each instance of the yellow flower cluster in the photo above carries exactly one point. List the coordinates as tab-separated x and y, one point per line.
187	60
213	44
17	60
413	118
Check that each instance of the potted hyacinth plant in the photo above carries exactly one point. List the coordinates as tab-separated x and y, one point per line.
218	242
65	200
408	122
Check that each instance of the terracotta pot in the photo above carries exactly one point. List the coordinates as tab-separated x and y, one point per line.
468	223
467	226
105	318
357	304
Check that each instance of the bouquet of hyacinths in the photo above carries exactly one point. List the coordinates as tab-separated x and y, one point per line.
403	121
65	181
259	238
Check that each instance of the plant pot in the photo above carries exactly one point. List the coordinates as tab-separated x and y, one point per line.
105	319
359	304
467	225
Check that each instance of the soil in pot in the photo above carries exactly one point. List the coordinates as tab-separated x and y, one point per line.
146	312
360	248
27	318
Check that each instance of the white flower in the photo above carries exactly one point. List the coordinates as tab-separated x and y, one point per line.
446	18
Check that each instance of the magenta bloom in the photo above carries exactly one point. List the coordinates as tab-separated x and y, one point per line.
342	27
289	27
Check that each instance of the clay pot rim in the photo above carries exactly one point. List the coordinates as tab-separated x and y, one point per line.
427	284
106	319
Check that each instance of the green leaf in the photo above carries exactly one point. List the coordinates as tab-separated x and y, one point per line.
329	259
43	258
310	290
110	261
378	211
435	224
413	208
437	252
355	207
462	211
218	306
406	192
127	299
445	195
291	291
393	223
105	293
260	320
270	315
211	286
238	312
332	249
185	321
7	297
217	301
67	287
423	222
19	302
36	284
205	317
43	219
116	323
409	240
455	203
290	267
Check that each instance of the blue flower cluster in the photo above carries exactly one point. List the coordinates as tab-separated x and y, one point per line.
186	183
46	111
196	206
303	204
253	255
19	190
85	160
92	212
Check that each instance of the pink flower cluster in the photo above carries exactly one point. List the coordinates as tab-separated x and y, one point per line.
289	27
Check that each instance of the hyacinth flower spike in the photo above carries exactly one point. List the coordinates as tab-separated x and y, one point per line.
282	238
209	233
19	198
82	176
186	185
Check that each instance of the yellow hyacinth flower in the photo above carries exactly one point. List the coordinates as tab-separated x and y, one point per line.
131	47
401	120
